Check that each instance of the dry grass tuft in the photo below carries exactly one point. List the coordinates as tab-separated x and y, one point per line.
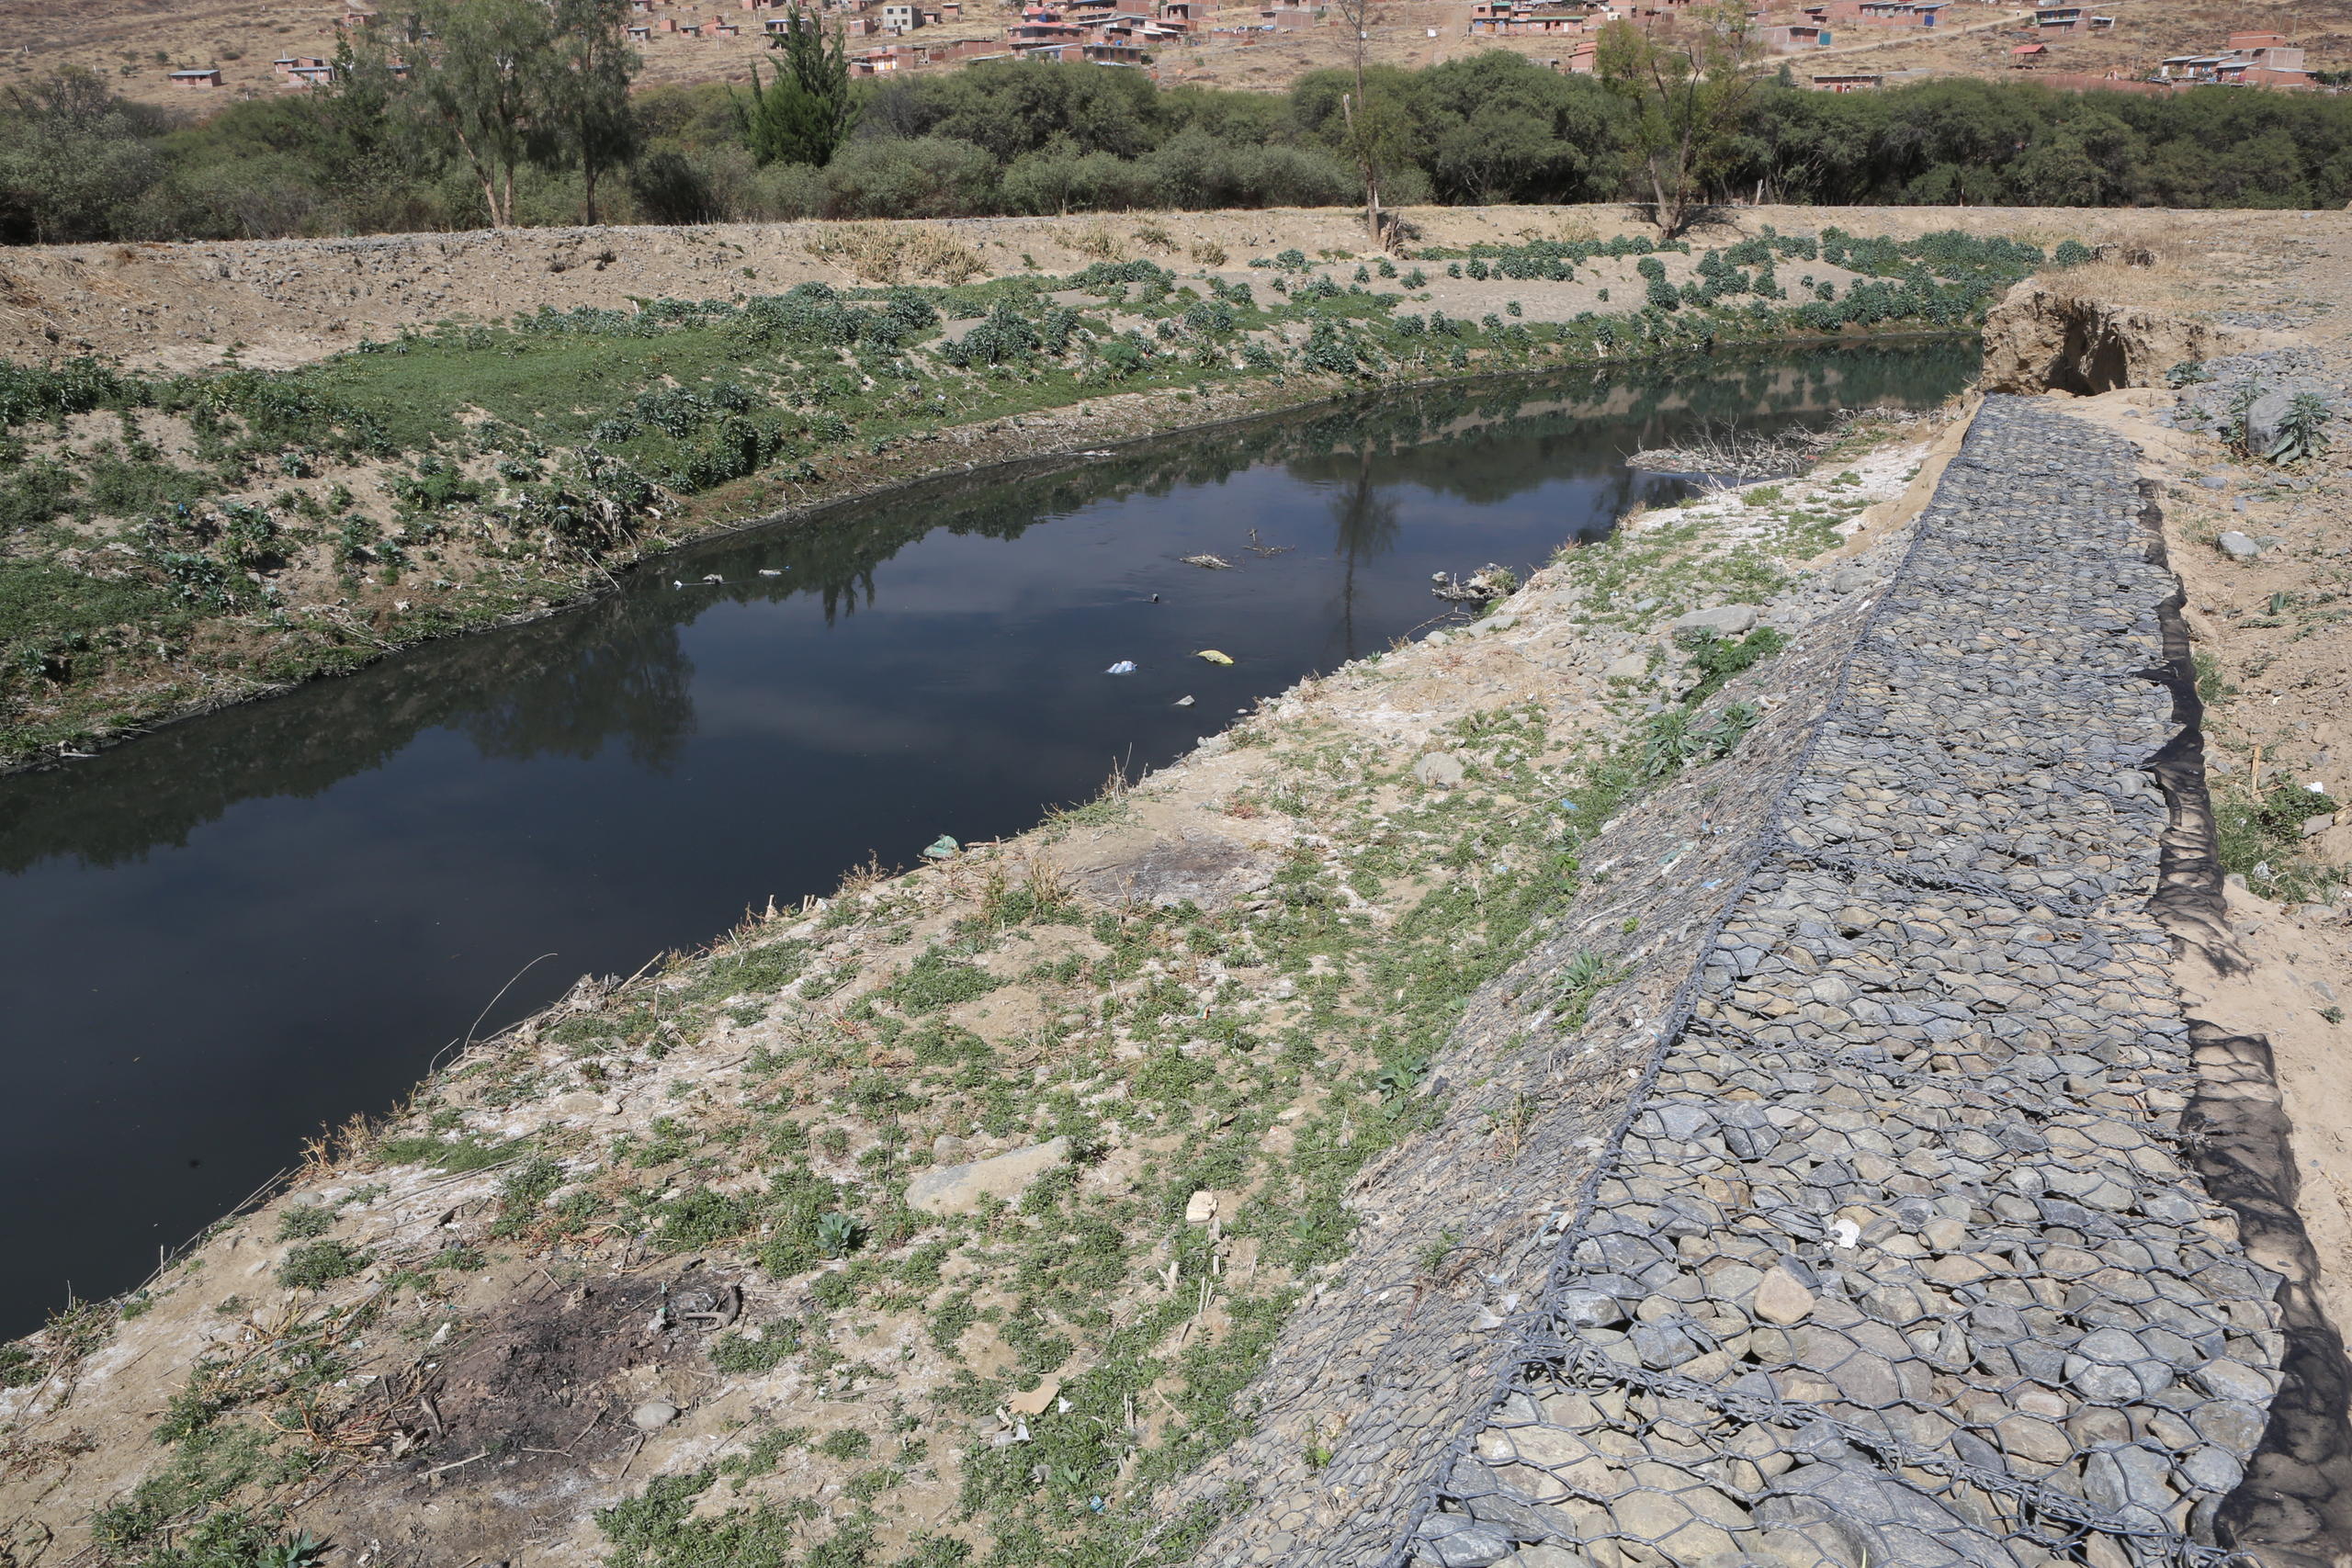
894	253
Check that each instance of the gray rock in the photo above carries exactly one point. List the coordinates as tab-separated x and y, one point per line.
1588	1309
1439	770
1725	620
2265	418
1685	1123
2233	1380
959	1188
653	1415
1467	1547
2212	1470
1859	1516
2237	546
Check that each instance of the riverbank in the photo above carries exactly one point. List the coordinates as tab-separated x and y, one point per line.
197	522
1183	994
775	1250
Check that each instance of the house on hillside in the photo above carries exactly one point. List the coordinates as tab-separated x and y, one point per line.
302	71
204	76
2025	56
2070	19
1794	37
1847	82
2252	60
1522	17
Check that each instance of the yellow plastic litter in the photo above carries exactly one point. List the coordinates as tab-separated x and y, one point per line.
1213	657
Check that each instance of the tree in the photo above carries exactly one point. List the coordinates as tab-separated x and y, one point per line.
1369	134
585	89
480	85
805	114
1689	91
72	157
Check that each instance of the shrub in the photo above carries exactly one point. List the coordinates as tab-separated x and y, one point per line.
929	177
320	1264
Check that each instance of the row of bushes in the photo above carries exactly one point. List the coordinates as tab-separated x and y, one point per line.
77	163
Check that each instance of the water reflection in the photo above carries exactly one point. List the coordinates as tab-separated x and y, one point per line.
240	927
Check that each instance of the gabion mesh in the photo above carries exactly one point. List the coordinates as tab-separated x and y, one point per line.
1900	1261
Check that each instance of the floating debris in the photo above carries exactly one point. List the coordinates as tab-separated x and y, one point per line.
1212	563
1213	657
1487	583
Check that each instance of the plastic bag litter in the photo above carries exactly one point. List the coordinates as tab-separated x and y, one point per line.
1213	657
1212	563
940	847
1183	702
1124	667
771	572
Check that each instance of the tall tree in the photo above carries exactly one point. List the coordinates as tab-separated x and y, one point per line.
1368	132
1689	89
805	114
479	83
586	89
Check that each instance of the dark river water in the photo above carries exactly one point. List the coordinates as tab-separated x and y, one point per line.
217	938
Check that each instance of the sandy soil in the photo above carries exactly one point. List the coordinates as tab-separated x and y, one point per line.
2280	700
279	302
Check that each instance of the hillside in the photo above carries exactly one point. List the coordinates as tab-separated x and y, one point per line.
134	44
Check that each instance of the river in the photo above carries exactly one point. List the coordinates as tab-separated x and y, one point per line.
218	938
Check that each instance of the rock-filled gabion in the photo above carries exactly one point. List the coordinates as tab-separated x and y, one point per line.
1899	1260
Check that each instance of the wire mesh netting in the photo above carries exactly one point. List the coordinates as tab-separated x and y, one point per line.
1857	1227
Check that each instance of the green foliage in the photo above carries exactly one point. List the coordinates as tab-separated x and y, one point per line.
737	1353
797	1200
321	1264
702	1218
656	1529
837	1233
467	1153
1718	659
806	113
302	1221
208	1465
523	112
2260	838
2302	432
935	980
1674	739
